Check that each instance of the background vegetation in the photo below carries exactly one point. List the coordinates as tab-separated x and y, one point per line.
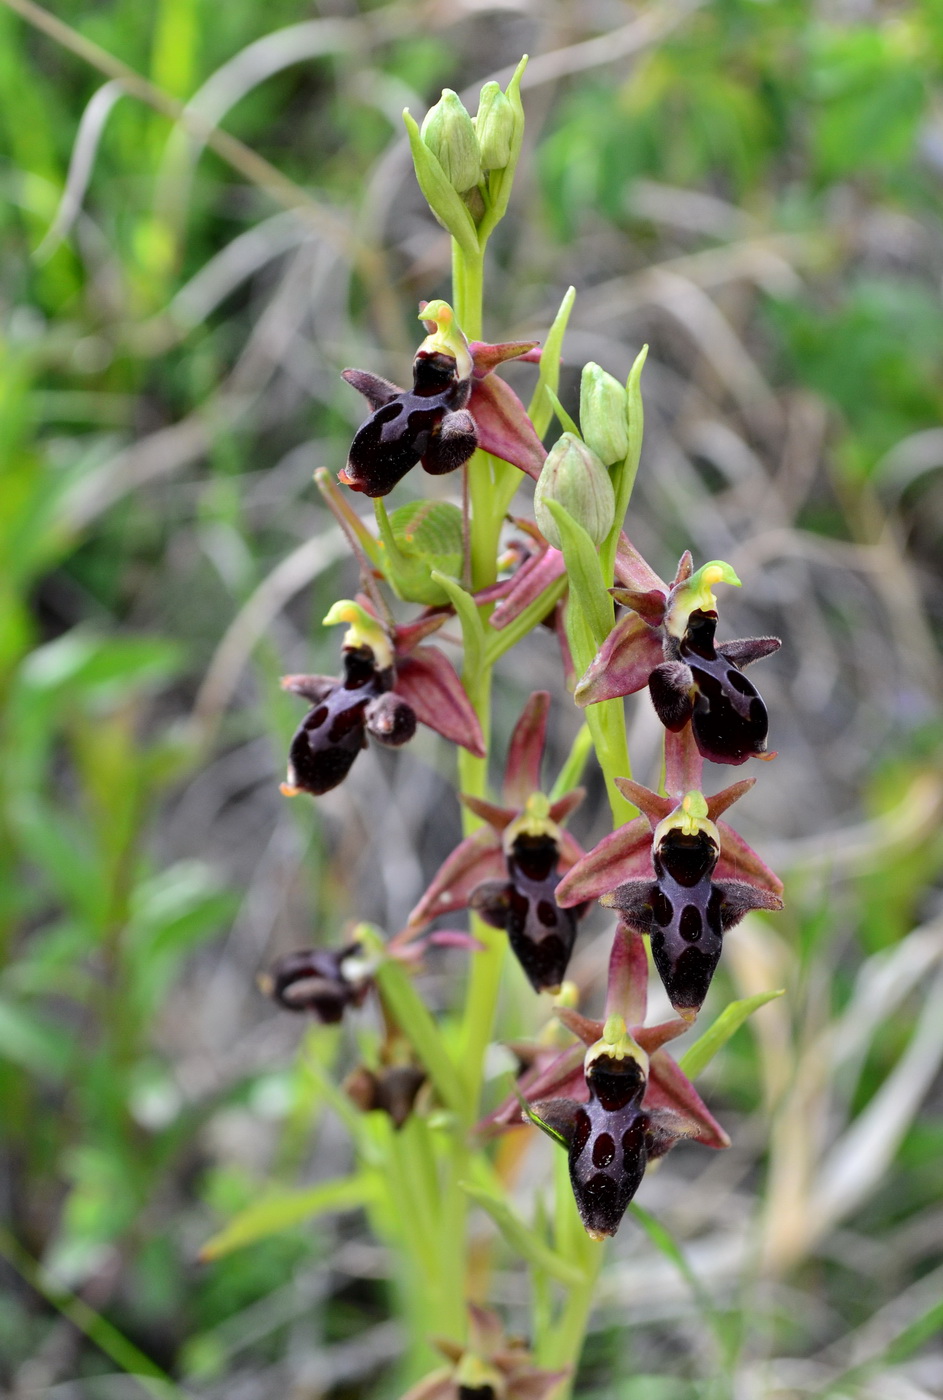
755	190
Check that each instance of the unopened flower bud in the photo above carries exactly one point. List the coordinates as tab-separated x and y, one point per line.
494	127
603	414
576	479
449	133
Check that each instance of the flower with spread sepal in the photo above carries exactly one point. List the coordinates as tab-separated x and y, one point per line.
684	909
667	642
623	1102
454	406
324	981
389	683
490	1367
508	870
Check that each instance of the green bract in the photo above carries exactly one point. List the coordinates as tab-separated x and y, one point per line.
494	127
576	479
603	415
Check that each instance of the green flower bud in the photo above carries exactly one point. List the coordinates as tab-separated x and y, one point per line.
603	414
494	127
574	477
449	133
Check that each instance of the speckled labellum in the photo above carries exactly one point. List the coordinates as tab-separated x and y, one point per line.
541	934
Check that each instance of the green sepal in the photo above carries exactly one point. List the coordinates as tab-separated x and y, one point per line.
446	204
700	1054
416	539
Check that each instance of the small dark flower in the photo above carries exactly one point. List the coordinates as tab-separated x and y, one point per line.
447	413
324	981
667	642
388	684
508	871
392	1089
611	1138
490	1367
684	909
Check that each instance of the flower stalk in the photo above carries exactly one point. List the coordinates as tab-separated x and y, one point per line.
607	1092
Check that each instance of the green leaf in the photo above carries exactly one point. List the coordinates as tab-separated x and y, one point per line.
446	204
286	1210
473	631
699	1056
587	589
540	411
43	1048
521	1238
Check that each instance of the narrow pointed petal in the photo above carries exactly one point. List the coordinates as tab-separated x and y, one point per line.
475	859
488	357
487	1334
655	807
566	805
633	572
685	569
428	681
376	391
727	797
622	856
408	637
739	899
684	766
570	852
738	861
668	1087
313	688
504	427
584	1027
537	574
526	750
744	651
623	663
456	938
496	817
652	1038
627	989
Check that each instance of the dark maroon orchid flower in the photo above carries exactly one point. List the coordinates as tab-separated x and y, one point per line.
389	683
391	1089
324	981
453	407
667	642
680	877
621	1103
508	871
490	1367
